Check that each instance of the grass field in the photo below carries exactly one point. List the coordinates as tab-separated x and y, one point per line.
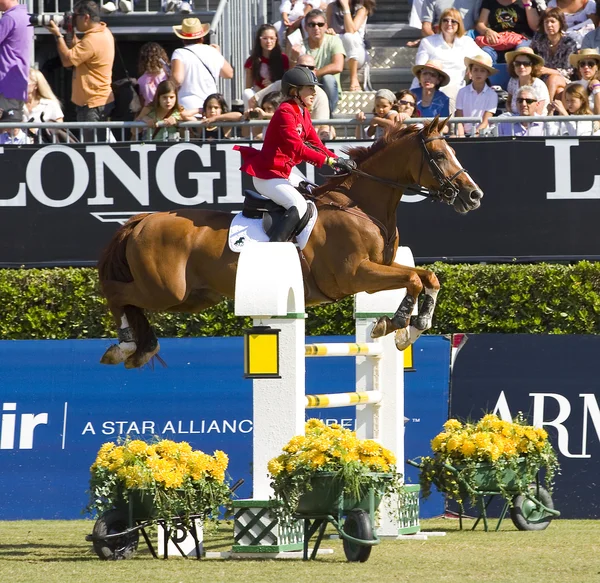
567	552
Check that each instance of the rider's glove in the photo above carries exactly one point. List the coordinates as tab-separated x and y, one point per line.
344	165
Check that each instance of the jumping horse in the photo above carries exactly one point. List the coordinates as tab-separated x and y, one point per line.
180	261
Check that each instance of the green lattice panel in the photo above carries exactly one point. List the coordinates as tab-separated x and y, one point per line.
409	511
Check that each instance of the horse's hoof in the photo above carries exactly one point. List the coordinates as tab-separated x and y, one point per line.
382	327
141	359
113	355
402	338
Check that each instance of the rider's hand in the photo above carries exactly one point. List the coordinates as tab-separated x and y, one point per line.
344	165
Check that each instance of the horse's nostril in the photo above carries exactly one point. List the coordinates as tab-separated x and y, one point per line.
476	195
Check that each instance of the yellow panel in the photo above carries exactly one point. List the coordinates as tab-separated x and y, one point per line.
408	357
263	357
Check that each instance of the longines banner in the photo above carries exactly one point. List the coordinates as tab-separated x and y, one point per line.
58	405
60	204
554	381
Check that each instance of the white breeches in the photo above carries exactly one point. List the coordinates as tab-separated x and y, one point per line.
282	192
354	45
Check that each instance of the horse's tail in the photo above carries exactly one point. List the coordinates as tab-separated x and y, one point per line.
113	265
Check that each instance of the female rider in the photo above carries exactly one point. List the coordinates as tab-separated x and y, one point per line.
291	139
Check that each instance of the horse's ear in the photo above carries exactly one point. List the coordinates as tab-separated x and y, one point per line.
433	125
442	124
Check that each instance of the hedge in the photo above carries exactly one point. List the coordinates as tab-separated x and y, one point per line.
513	298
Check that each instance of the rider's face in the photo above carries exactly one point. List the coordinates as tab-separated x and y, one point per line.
307	94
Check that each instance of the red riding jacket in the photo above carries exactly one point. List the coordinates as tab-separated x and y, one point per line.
285	145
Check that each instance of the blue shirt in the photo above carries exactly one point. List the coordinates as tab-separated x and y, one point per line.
440	104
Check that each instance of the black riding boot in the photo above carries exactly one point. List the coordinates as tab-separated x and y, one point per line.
284	229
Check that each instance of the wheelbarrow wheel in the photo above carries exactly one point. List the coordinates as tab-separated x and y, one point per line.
527	515
358	525
113	549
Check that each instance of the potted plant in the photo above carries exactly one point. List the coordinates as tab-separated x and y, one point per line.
489	456
329	471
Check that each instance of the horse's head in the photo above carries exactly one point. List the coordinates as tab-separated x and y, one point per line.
441	172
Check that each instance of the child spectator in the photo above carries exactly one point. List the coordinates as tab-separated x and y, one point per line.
477	99
153	68
215	109
266	62
268	106
164	113
406	104
385	116
576	103
11	135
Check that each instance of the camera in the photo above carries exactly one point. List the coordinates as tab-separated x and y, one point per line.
65	20
253	114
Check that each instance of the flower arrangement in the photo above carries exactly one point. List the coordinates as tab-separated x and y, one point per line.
511	453
177	480
357	464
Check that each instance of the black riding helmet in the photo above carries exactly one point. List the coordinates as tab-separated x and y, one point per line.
299	76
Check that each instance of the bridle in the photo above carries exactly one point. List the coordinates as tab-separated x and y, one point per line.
447	188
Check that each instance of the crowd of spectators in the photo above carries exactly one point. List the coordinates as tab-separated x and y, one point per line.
550	56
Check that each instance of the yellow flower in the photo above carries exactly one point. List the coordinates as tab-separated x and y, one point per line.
452	425
275	467
439	441
468	448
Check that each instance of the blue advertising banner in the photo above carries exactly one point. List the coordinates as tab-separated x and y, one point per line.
58	405
553	380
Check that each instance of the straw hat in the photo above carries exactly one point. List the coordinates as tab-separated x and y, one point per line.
484	61
526	51
433	66
583	54
191	28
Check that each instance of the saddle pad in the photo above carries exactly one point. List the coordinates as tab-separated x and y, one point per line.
244	231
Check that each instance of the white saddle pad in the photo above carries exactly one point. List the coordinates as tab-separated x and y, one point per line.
245	231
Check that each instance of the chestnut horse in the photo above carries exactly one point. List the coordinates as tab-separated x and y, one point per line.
180	261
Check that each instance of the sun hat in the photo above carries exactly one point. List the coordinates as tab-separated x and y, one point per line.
484	61
191	28
583	54
434	66
527	51
386	94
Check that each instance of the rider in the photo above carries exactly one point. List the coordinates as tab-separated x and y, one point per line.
290	139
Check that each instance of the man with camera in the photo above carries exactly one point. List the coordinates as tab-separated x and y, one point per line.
16	42
92	56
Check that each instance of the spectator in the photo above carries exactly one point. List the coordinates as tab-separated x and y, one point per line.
292	13
592	39
10	135
197	66
181	6
576	100
266	62
385	116
449	48
524	68
328	53
431	14
268	106
586	63
153	68
164	113
348	18
477	99
92	57
430	100
528	104
42	105
580	17
498	19
16	43
124	6
554	46
406	104
215	109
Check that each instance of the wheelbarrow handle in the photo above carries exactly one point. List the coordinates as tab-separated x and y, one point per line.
414	463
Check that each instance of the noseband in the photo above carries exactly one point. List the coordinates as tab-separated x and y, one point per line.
447	188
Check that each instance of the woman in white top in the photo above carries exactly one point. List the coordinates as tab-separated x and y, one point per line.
196	67
525	68
449	47
42	105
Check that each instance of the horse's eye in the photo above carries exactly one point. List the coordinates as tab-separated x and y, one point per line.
440	156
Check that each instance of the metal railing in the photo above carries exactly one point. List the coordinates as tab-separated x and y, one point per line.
73	132
138	6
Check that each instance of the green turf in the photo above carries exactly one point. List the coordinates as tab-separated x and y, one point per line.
567	552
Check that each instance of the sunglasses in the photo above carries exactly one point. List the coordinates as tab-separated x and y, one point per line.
526	100
310	67
313	24
403	102
450	21
591	63
523	63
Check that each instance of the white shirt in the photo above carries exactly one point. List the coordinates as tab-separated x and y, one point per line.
574	18
475	104
199	81
538	84
452	58
296	11
577	128
48	107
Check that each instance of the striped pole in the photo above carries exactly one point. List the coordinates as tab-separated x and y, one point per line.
343	349
342	400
